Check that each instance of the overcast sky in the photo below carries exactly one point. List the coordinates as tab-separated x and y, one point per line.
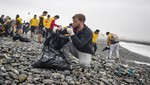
127	18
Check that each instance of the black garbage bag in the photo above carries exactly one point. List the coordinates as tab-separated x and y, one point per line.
52	57
20	38
56	41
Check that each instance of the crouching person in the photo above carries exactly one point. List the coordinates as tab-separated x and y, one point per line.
80	45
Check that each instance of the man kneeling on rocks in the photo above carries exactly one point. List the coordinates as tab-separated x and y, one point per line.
80	45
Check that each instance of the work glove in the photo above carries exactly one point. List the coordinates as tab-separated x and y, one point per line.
70	31
55	29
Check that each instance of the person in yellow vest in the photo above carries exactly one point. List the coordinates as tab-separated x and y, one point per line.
18	24
41	26
34	22
113	44
47	25
94	40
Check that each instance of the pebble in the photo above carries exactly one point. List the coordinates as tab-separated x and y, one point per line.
3	69
129	81
48	81
2	82
56	75
22	78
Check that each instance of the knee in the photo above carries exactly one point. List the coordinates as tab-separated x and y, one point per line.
83	65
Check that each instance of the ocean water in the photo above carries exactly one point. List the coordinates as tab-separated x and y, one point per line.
137	48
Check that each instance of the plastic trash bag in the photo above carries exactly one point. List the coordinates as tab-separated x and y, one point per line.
20	38
56	41
52	57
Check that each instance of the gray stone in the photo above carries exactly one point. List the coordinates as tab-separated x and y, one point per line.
47	75
3	69
8	82
108	65
57	82
105	81
56	75
87	75
62	78
102	74
36	71
22	78
2	82
2	56
77	83
66	73
3	74
48	81
16	72
71	83
69	78
64	83
101	83
36	79
110	80
129	81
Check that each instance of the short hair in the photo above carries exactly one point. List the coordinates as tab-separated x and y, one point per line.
45	12
2	15
81	17
97	30
17	16
57	16
35	15
48	15
107	33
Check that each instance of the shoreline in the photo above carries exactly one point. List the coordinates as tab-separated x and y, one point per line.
137	42
125	54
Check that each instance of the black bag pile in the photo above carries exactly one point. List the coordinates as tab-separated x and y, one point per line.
20	38
52	57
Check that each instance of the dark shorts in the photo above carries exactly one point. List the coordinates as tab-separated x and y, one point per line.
40	30
33	28
19	26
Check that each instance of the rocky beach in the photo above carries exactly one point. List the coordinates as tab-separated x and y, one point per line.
16	59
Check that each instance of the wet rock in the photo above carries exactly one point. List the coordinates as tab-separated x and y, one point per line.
22	78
